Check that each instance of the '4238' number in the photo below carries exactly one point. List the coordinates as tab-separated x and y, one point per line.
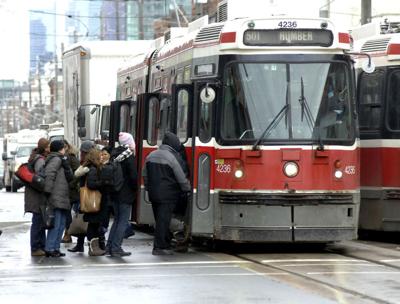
287	24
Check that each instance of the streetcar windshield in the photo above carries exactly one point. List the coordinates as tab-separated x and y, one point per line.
317	96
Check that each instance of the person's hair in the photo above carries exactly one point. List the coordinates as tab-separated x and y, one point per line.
69	149
92	158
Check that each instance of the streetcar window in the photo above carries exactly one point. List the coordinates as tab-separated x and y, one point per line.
370	99
179	76
205	123
153	121
124	118
132	125
394	101
287	101
105	119
182	115
165	114
186	74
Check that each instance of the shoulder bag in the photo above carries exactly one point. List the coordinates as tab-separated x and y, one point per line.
89	199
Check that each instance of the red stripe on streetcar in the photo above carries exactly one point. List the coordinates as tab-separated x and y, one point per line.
393	49
229	37
344	38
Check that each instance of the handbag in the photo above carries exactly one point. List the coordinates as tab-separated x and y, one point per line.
48	217
89	199
78	225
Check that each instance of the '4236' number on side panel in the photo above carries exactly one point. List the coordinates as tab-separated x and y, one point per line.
287	24
224	168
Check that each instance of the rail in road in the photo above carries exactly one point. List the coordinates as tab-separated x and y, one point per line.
355	271
345	272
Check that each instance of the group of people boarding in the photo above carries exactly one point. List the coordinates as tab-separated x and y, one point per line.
66	173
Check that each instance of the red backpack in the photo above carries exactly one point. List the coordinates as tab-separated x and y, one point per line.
26	173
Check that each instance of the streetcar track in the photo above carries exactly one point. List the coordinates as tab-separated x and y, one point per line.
378	262
315	280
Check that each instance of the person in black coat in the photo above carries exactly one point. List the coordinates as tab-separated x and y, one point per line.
124	199
93	181
166	182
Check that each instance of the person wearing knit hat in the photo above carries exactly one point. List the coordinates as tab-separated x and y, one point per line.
126	139
57	145
86	146
35	199
123	199
58	175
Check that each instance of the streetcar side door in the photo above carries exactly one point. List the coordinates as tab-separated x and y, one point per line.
154	118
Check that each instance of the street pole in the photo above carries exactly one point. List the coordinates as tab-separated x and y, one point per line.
324	10
141	26
365	11
117	20
55	93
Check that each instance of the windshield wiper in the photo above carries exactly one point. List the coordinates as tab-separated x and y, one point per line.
272	125
305	109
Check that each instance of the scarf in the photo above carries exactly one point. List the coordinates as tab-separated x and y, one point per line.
124	154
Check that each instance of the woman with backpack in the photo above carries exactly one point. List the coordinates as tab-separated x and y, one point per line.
56	188
124	198
34	200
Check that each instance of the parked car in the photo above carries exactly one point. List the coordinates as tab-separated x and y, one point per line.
21	155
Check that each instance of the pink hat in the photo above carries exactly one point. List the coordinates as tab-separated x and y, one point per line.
126	139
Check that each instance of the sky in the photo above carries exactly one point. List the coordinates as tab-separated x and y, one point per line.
14	24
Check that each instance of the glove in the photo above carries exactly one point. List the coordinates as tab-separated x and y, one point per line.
81	171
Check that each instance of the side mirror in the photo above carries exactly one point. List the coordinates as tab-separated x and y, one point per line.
82	132
13	153
4	156
81	117
105	135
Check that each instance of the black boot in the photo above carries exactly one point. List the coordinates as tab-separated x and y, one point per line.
79	245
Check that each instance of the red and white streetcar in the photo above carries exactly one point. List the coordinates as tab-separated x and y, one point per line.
379	118
266	110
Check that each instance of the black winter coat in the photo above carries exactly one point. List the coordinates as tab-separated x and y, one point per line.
94	182
74	184
127	195
165	177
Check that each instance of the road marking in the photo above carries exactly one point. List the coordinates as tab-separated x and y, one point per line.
198	263
354	272
334	264
131	275
309	260
166	263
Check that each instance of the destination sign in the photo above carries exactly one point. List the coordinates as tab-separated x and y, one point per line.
288	37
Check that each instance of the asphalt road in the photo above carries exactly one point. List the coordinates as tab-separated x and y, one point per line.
348	272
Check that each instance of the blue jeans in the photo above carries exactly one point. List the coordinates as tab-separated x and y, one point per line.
38	233
54	235
122	213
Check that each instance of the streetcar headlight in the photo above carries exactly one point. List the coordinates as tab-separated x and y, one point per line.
338	174
291	169
239	173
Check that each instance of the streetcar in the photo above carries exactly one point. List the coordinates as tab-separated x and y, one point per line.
379	119
266	110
